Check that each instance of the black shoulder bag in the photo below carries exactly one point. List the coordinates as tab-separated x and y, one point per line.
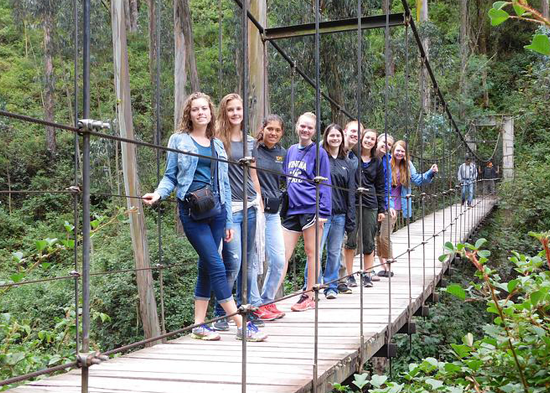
204	203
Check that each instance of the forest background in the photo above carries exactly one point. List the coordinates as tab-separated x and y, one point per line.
482	71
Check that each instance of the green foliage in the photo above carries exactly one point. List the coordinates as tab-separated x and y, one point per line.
540	42
513	353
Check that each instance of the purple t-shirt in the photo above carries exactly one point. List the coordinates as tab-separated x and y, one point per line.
301	194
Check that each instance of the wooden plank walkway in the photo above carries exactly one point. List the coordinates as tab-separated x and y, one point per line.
285	362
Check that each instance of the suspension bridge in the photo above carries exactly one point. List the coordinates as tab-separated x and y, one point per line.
305	352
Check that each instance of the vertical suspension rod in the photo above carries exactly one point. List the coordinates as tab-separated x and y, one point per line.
360	185
86	194
244	242
317	190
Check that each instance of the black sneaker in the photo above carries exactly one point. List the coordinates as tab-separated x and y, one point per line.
255	320
351	282
384	273
367	281
343	288
221	325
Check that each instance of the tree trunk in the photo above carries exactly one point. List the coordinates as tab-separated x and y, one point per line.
180	70
152	8
147	302
131	12
186	25
258	67
332	78
391	61
425	86
463	56
180	78
544	8
51	144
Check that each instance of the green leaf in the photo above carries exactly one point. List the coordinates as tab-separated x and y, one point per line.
41	245
456	290
480	242
461	350
452	368
497	5
484	253
540	44
449	247
517	9
512	285
498	16
360	380
443	258
378	380
539	331
94	224
54	359
435	384
68	227
13	358
17	256
17	277
537	296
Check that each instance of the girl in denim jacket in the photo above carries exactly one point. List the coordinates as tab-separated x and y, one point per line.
189	173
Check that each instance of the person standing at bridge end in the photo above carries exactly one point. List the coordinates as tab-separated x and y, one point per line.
467	175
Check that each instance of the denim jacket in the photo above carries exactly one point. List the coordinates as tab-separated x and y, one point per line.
180	170
416	178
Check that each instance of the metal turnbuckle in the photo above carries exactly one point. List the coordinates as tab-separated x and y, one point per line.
92	125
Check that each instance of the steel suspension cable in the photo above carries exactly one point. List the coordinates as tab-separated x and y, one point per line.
360	186
75	184
86	195
245	167
317	190
387	180
422	186
407	140
157	141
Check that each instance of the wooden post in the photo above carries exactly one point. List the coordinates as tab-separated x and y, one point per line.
258	97
508	148
147	302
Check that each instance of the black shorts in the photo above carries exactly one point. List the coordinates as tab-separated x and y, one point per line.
298	222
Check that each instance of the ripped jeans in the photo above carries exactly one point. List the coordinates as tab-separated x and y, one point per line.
232	258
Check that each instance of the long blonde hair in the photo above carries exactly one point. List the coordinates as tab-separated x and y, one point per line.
223	126
186	125
402	166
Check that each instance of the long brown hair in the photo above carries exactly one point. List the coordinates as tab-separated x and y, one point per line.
186	125
223	126
328	129
360	142
402	166
268	119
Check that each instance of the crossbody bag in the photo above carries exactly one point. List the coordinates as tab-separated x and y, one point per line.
204	203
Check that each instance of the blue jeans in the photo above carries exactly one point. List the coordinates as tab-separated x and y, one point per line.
232	258
275	253
205	237
333	237
468	191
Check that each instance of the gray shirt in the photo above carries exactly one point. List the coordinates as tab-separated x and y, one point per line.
271	159
236	180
